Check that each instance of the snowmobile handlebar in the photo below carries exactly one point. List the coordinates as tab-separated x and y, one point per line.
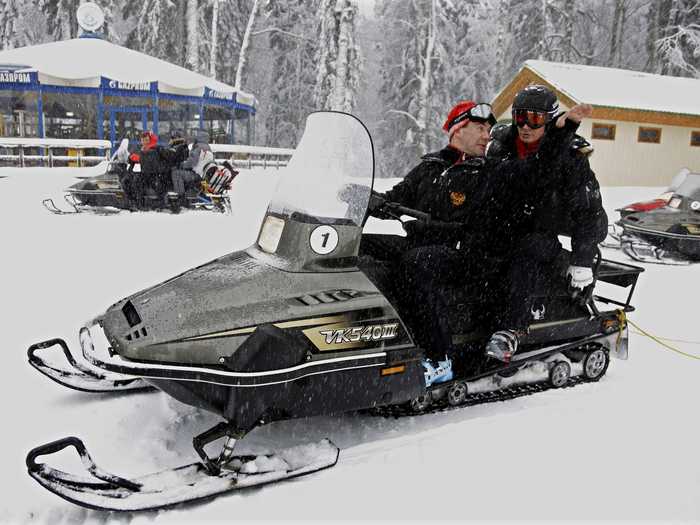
403	210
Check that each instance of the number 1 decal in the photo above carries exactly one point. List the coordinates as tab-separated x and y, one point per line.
324	239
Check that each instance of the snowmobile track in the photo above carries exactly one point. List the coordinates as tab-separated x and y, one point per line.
513	392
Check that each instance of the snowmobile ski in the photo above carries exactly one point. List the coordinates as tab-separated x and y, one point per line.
104	491
76	207
79	376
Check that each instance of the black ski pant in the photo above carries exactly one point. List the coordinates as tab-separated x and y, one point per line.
183	180
535	268
384	247
132	184
428	274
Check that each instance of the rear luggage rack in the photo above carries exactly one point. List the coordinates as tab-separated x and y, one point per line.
618	274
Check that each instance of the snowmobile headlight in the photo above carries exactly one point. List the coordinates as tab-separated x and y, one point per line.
271	233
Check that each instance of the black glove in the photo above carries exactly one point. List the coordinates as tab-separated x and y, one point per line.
415	228
437	231
378	206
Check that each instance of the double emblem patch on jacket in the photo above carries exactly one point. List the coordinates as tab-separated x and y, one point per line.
457	198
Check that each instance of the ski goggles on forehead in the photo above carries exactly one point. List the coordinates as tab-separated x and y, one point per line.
534	119
478	113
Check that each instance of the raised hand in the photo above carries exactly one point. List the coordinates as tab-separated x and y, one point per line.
576	114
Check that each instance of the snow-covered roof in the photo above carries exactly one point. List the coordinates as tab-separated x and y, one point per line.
81	62
621	88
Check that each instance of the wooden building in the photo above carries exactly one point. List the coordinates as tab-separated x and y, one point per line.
645	127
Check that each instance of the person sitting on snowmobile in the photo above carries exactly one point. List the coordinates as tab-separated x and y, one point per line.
572	208
156	164
419	188
473	226
191	172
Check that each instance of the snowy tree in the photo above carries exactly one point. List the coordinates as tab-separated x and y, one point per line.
192	31
676	37
159	30
61	16
290	36
245	43
9	15
338	57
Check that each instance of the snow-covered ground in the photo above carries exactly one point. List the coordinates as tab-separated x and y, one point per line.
623	448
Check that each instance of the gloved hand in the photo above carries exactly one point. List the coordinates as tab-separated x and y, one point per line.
415	228
437	231
579	277
376	206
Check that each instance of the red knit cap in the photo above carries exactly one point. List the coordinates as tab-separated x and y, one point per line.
458	109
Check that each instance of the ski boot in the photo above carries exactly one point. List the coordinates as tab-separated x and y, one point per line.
502	345
437	374
173	202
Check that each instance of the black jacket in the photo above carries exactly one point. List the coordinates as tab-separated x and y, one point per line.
571	207
419	189
485	194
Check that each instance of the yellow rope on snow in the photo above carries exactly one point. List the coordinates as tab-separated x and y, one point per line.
658	340
684	341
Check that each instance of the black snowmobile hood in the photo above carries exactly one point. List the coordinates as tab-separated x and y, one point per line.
186	318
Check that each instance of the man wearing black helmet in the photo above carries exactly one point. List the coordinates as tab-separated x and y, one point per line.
573	207
471	226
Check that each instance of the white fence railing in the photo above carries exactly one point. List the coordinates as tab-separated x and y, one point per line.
33	151
14	149
252	156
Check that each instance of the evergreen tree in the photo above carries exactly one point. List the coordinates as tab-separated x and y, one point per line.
61	16
159	31
338	57
9	15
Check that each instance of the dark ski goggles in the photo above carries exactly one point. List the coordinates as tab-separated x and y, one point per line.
534	119
479	113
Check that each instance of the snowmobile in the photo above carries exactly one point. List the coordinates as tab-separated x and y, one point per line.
103	194
665	230
297	325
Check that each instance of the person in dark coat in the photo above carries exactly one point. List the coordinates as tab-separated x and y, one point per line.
156	163
419	189
573	208
476	226
191	172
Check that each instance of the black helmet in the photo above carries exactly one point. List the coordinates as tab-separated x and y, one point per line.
536	98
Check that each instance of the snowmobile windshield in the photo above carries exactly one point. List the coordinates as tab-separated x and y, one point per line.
690	187
330	175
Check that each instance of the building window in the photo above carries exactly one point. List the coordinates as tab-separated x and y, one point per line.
651	135
603	131
695	138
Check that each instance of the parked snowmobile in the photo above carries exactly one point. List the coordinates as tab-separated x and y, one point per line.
104	194
665	230
297	325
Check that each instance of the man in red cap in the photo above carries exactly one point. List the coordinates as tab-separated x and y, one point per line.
468	125
472	227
